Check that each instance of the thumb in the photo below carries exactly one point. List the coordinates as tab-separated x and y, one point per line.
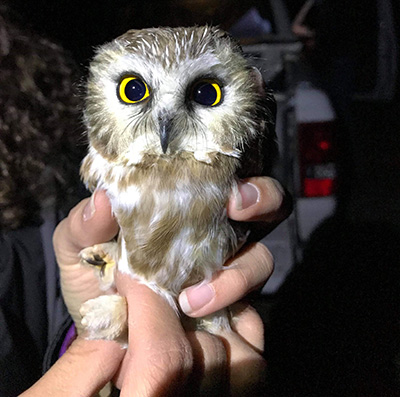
159	357
259	199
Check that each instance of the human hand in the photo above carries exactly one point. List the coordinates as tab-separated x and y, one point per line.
91	221
84	369
88	223
205	351
229	363
262	200
161	358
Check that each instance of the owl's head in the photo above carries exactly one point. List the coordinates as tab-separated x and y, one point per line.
162	92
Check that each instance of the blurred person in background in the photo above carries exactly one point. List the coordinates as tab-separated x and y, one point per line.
39	181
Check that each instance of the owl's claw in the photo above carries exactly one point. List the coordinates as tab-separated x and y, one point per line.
98	261
95	260
101	256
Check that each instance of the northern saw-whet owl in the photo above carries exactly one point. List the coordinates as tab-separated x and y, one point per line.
174	117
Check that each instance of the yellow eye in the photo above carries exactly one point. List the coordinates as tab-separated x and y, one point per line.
133	90
207	93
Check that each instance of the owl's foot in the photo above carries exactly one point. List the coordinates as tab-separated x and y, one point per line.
100	257
105	317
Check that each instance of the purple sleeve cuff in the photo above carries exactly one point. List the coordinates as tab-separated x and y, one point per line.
69	338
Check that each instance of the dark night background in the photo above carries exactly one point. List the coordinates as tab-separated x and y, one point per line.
333	329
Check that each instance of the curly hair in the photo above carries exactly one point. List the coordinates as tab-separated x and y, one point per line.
40	127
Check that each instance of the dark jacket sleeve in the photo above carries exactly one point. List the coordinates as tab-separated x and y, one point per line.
23	309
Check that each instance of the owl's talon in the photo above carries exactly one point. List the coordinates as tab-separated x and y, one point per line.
100	255
95	260
101	258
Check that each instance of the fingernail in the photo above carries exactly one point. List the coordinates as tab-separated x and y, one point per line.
248	195
89	209
194	298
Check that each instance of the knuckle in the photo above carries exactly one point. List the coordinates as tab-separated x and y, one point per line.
264	257
250	269
175	361
243	283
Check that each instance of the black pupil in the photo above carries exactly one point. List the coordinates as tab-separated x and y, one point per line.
205	94
135	90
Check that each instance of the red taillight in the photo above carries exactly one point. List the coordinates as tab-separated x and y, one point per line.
324	145
317	159
318	187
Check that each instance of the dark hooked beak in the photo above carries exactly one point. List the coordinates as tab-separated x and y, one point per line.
165	134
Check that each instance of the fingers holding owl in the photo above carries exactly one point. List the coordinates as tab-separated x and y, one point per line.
261	200
91	222
164	359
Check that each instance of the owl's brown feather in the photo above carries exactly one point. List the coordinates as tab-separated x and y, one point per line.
148	244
